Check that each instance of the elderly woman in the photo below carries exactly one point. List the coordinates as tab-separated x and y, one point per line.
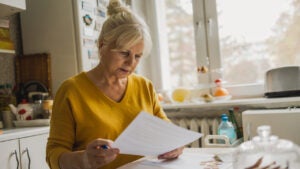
93	108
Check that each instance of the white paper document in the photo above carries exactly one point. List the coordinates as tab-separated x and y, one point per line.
185	161
148	135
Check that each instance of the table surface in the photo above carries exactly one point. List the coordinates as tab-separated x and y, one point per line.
192	158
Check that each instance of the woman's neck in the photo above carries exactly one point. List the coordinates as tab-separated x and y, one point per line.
103	79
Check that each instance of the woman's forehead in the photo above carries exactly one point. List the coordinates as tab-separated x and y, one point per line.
138	47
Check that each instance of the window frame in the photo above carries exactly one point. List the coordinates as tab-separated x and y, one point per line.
206	43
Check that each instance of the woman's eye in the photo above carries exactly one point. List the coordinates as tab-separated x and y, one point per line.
125	53
138	56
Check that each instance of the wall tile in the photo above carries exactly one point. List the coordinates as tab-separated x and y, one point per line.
7	61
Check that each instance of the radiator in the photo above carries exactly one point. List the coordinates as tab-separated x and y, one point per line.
205	126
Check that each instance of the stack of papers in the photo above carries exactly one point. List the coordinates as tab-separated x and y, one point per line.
188	160
148	135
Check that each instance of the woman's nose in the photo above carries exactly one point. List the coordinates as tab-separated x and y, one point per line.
130	60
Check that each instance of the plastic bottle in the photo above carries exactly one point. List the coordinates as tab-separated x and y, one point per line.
226	128
234	122
238	115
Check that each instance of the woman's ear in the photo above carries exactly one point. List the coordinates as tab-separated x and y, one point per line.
100	45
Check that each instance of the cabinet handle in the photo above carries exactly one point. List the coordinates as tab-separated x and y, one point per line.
16	155
28	156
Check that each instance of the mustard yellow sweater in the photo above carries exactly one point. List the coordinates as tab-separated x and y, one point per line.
82	113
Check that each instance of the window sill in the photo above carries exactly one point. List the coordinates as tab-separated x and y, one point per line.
252	102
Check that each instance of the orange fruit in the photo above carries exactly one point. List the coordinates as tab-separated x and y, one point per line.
221	92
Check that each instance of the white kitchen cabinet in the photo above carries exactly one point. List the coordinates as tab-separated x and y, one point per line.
28	151
9	7
33	152
10	156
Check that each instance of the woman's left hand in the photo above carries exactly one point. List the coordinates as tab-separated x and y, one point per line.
172	154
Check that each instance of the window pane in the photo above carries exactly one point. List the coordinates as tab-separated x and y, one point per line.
256	35
179	22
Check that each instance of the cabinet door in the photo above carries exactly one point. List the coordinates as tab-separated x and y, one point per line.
9	7
33	152
9	155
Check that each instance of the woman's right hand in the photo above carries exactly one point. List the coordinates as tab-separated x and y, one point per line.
99	153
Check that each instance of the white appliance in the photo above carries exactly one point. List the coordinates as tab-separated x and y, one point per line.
285	123
282	82
68	30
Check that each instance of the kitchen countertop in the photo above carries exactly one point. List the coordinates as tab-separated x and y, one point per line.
15	133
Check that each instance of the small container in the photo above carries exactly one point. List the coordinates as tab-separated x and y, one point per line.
266	151
37	106
8	118
234	123
226	128
23	111
47	108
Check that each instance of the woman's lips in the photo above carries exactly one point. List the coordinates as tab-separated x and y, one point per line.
125	70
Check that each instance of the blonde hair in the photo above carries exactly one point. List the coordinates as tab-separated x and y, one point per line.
123	29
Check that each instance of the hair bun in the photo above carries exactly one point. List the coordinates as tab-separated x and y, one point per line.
115	7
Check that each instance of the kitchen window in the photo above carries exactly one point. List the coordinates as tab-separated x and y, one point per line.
237	41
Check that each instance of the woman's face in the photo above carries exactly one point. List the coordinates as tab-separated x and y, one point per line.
121	63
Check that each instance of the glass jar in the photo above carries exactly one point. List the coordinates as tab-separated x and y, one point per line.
267	151
37	106
47	107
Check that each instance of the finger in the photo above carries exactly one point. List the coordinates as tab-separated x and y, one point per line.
172	154
107	152
104	160
106	157
168	153
100	142
99	156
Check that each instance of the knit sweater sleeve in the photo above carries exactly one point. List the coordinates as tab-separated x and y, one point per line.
62	130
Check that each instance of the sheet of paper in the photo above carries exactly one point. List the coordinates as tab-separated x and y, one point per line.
184	161
148	135
190	160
